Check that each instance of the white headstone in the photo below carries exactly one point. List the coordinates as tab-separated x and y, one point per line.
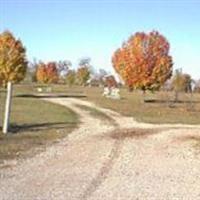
49	89
39	89
106	92
111	93
115	93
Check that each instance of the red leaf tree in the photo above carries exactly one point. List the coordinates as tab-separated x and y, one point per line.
143	62
47	73
83	75
110	81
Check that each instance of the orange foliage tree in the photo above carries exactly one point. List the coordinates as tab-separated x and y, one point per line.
110	81
13	63
83	75
143	62
70	77
47	73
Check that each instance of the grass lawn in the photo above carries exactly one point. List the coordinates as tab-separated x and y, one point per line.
132	104
34	125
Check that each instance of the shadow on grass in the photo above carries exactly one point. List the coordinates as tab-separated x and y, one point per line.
49	96
14	128
169	101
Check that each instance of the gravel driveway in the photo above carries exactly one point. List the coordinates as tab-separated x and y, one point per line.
91	164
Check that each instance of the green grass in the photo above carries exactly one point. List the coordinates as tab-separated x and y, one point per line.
34	125
132	104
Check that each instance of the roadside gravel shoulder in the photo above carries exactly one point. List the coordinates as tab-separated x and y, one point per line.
89	164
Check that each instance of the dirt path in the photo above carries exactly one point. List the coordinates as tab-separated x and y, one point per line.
91	164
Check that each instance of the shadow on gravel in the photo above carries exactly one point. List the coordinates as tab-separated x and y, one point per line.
190	137
118	136
104	171
134	133
187	138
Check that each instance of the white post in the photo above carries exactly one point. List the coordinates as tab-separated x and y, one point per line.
7	108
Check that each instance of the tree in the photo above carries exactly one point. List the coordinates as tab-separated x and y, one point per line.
47	73
32	69
70	77
110	81
31	72
197	86
84	71
143	62
181	83
13	65
63	67
82	75
85	62
102	74
187	82
97	78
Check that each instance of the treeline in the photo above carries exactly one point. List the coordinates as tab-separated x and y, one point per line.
182	82
143	62
61	72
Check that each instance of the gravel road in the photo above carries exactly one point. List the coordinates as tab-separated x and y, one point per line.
92	164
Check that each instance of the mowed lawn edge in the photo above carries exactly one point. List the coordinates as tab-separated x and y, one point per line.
131	104
34	125
162	111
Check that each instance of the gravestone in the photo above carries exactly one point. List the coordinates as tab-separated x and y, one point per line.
115	93
106	92
39	89
48	89
112	93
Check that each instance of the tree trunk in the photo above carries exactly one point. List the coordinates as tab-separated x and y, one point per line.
7	108
144	95
176	96
191	101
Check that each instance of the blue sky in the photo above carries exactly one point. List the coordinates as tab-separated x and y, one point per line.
64	29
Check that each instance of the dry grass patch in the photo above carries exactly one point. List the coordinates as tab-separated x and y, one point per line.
159	109
157	112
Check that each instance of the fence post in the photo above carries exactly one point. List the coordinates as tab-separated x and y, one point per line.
7	108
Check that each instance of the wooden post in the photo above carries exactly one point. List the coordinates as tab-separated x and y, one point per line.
7	108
